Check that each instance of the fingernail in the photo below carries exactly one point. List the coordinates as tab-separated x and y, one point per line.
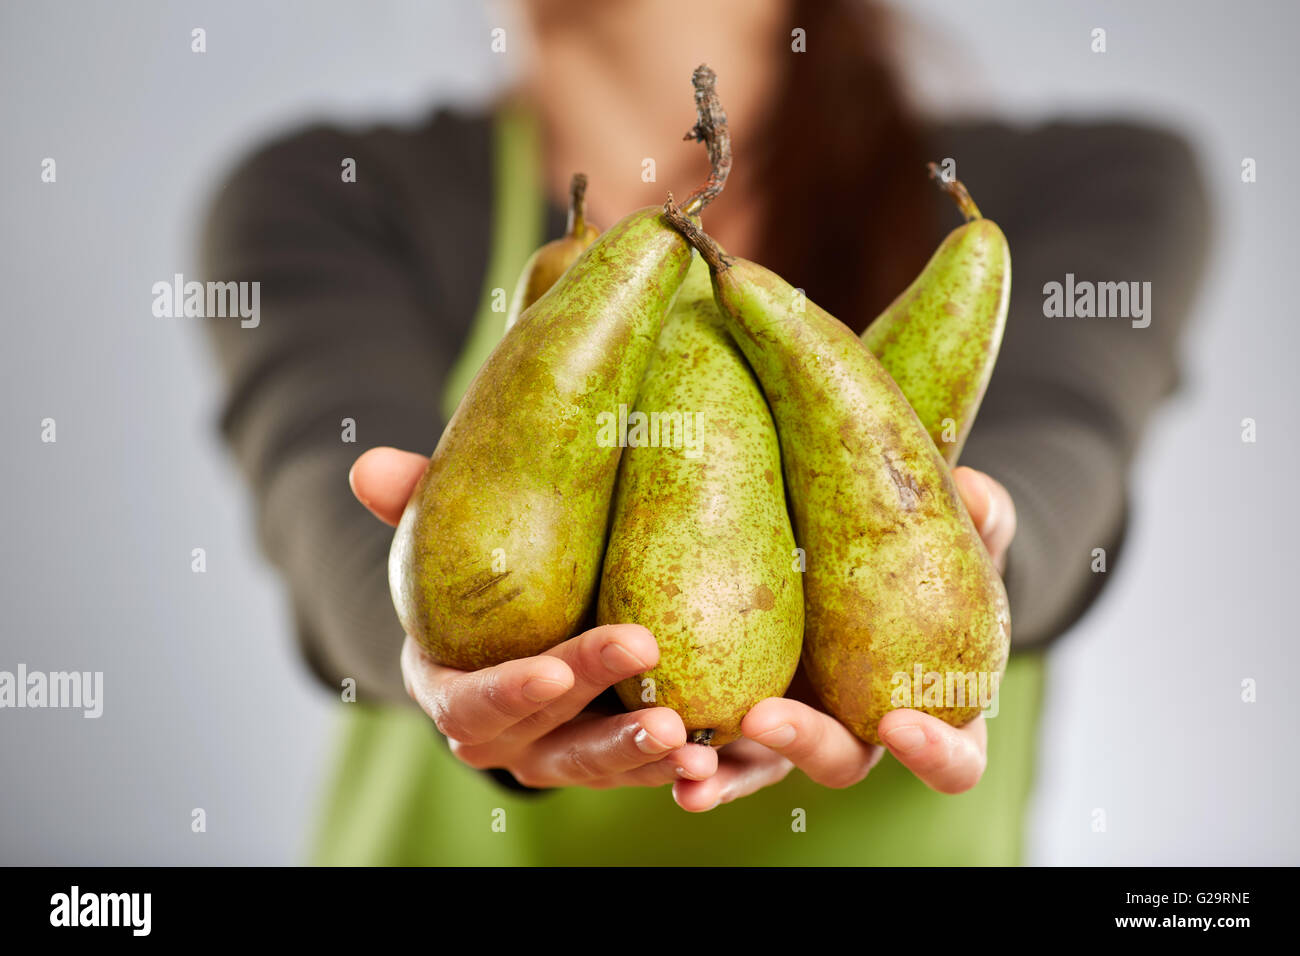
648	743
906	739
777	737
618	658
540	689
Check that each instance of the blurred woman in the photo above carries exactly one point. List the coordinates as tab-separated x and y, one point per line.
376	308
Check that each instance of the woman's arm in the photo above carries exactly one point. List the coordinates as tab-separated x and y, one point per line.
361	317
1071	396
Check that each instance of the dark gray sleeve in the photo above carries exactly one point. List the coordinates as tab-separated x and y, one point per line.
1071	398
361	318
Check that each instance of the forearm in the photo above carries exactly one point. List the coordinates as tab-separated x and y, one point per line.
361	317
1071	399
1068	489
333	555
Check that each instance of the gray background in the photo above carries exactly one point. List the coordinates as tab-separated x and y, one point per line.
206	703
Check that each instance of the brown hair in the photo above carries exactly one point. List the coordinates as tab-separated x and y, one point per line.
848	216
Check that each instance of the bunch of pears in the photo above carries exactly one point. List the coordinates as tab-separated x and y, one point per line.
793	500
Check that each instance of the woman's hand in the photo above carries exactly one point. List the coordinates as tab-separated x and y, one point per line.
530	716
782	733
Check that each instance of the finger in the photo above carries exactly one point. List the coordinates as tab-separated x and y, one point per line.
948	759
598	659
475	707
583	752
383	479
744	767
991	509
691	762
814	741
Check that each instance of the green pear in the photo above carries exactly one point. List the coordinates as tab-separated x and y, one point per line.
939	340
497	555
899	591
552	260
701	550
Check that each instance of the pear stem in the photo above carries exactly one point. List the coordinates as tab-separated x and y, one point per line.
957	191
696	236
577	205
711	129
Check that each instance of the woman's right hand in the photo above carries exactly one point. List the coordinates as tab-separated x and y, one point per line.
530	716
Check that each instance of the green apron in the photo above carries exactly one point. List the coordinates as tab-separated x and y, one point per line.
399	797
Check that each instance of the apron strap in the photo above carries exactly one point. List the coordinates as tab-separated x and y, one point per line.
518	221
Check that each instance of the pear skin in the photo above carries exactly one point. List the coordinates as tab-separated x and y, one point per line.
545	266
497	555
898	584
701	550
939	339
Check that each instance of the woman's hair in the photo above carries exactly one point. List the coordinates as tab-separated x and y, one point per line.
847	215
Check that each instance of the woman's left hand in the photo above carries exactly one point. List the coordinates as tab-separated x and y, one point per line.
782	733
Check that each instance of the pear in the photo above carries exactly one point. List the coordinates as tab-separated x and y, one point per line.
552	260
497	554
939	339
899	591
701	550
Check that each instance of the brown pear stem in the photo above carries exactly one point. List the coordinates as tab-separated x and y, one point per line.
957	191
696	236
711	129
577	205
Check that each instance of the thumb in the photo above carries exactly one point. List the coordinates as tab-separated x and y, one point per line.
991	509
383	480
